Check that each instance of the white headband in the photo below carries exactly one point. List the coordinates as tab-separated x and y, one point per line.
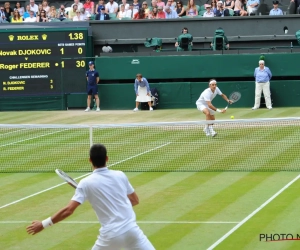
212	82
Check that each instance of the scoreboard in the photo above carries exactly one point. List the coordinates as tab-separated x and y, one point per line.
42	62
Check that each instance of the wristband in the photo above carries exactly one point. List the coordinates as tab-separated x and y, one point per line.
218	110
47	222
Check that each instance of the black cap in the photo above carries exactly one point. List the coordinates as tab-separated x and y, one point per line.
275	2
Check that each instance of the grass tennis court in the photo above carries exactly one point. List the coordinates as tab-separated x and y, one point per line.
177	210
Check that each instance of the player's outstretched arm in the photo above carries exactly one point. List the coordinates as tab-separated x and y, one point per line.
226	98
209	104
134	199
38	226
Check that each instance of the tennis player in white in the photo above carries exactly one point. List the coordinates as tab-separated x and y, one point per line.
112	197
204	104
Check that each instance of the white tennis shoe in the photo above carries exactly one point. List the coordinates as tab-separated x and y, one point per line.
206	131
98	109
87	109
254	108
136	109
269	107
151	109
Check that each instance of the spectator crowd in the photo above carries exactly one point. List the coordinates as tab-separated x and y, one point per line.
112	10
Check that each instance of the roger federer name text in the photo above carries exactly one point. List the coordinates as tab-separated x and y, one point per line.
37	65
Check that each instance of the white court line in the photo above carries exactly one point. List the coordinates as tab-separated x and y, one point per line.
139	222
45	190
31	138
13	131
252	214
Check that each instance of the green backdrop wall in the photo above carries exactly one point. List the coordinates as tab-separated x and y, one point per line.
204	66
185	94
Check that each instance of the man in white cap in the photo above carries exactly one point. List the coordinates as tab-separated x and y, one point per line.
275	11
204	104
221	11
208	12
262	76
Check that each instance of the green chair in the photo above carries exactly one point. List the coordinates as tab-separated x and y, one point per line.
155	43
112	15
67	20
198	8
231	12
219	43
125	18
93	17
298	36
202	7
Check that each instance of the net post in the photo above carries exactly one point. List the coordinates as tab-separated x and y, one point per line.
91	136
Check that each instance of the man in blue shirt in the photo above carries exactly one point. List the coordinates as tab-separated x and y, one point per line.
27	12
262	75
92	77
276	11
252	6
170	13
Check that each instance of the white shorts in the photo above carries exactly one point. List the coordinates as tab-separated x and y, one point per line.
201	107
133	239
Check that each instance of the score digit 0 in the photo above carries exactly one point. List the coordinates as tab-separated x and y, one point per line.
80	64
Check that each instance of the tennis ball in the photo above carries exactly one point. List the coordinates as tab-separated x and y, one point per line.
232	117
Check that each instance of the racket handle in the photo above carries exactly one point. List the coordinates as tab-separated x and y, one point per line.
226	108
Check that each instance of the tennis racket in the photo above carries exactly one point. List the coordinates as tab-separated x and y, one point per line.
234	97
66	178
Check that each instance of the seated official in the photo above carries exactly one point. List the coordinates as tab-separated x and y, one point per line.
184	41
102	15
220	33
275	11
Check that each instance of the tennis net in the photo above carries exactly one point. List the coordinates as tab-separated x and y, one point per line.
241	145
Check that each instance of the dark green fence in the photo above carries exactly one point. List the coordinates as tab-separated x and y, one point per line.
185	94
206	66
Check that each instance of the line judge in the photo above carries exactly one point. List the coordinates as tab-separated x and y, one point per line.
262	76
92	77
142	91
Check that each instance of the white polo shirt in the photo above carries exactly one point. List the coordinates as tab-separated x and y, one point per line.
111	7
208	95
107	192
